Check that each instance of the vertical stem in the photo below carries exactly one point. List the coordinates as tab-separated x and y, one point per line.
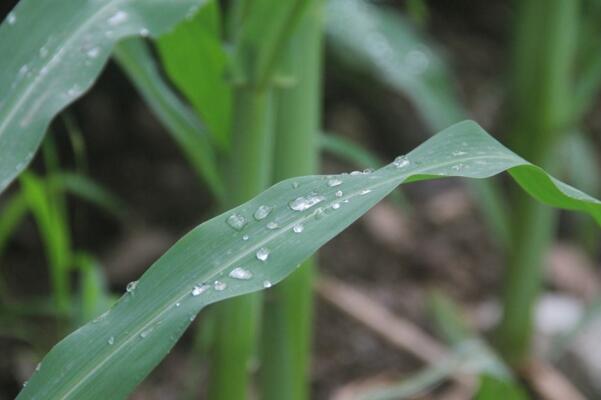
287	320
544	44
250	171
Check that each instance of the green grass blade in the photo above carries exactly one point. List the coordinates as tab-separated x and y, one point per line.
54	233
196	62
13	213
57	49
86	189
134	57
110	356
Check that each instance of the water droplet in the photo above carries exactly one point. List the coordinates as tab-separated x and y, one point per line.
298	228
319	213
262	254
355	173
367	171
93	52
144	334
262	212
43	52
178	304
303	203
295	185
458	167
192	317
401	162
117	18
336	206
459	153
74	91
23	70
267	284
25	383
272	225
245	237
111	340
219	286
197	290
44	70
131	286
334	182
144	32
236	221
339	193
37	367
241	273
11	18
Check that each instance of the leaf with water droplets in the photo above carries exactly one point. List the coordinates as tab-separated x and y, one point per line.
83	366
68	44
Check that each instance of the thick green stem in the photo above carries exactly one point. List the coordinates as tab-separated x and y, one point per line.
544	42
250	172
287	321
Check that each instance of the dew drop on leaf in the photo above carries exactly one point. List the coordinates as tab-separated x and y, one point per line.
262	212
11	18
93	52
219	286
131	286
237	221
199	289
401	162
117	18
272	225
241	273
339	193
334	182
303	203
267	284
298	228
245	237
336	206
111	340
262	254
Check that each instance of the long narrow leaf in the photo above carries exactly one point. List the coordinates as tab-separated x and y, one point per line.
236	253
134	57
52	52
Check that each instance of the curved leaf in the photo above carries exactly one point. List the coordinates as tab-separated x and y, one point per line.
45	68
110	356
135	59
376	39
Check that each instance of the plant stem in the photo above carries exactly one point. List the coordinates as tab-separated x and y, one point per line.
287	321
544	42
250	171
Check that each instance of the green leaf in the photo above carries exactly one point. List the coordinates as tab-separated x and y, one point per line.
196	62
53	52
492	388
110	356
378	40
134	57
